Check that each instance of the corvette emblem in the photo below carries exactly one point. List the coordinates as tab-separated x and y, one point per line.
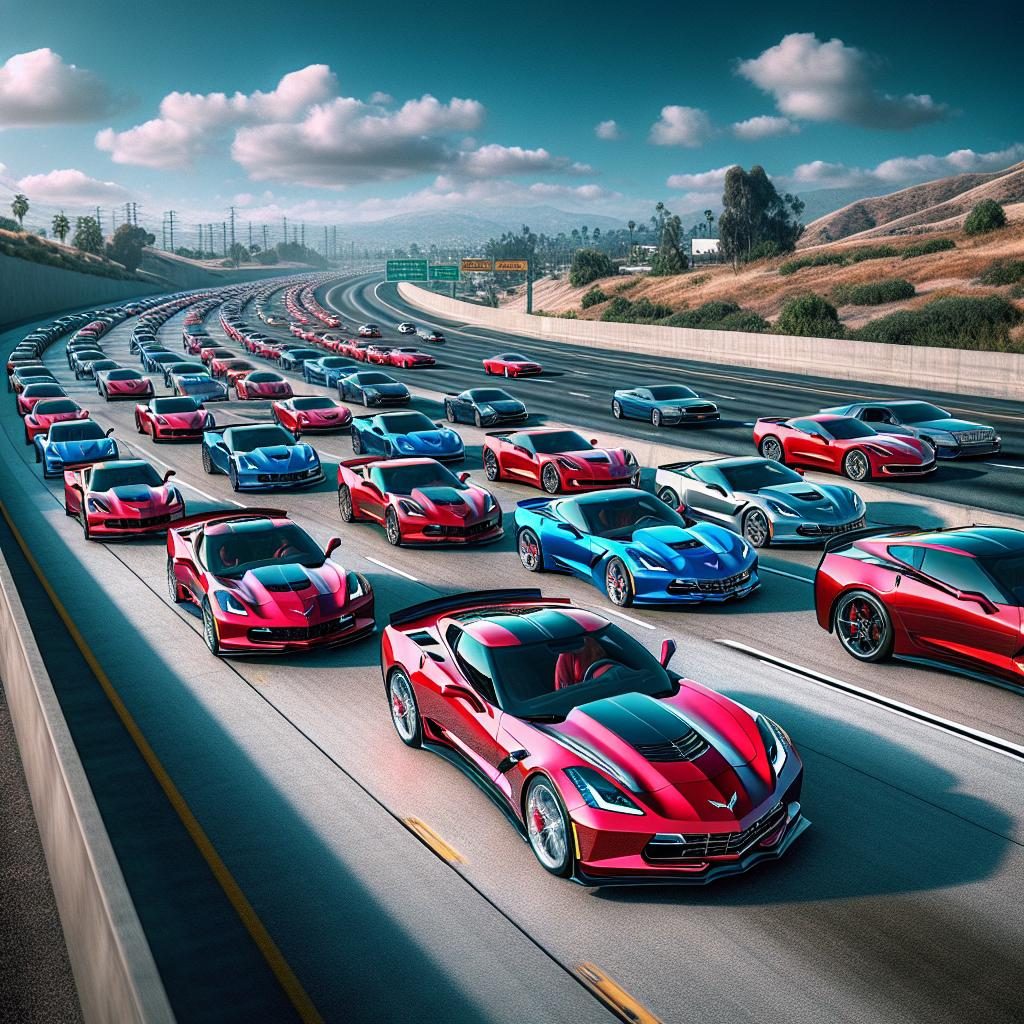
713	564
308	610
726	806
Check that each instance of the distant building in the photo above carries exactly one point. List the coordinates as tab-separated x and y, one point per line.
704	247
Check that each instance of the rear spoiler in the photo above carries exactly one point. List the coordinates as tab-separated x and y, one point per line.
845	539
467	600
497	433
772	419
362	460
684	465
225	515
534	503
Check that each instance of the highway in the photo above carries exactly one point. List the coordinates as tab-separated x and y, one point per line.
903	902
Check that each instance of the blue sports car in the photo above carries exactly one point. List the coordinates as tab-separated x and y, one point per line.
261	456
371	387
200	386
73	443
404	434
327	370
663	405
635	548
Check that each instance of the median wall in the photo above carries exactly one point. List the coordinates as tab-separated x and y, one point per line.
114	971
957	371
30	291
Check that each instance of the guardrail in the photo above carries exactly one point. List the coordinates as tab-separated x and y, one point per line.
952	370
114	971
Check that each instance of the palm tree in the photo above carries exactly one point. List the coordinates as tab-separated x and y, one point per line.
61	226
632	227
19	207
709	216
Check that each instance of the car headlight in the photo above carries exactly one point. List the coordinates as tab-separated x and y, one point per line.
96	505
629	457
358	586
369	391
244	462
403	444
567	462
776	741
490	504
940	436
780	509
858	504
174	497
486	410
599	792
410	507
229	603
646	563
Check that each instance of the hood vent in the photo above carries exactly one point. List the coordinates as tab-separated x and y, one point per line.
806	495
686	545
687	747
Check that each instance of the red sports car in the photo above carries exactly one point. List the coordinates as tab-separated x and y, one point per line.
173	419
121	499
220	366
211	352
380	355
50	411
417	501
616	770
842	444
409	358
36	393
952	596
511	364
123	383
331	342
306	413
233	374
264	585
557	460
262	384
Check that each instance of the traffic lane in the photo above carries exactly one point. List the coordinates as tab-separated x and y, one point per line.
748	397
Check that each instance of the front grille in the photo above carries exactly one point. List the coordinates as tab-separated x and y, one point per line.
687	747
692	846
390	399
137	524
281	634
828	529
180	431
974	436
285	588
274	478
896	470
509	417
467	531
698	410
723	586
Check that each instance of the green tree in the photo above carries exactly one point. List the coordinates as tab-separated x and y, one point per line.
61	226
753	212
809	316
88	237
126	245
631	227
588	265
709	216
988	215
670	258
19	207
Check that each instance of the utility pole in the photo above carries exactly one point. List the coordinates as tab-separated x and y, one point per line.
284	221
163	229
264	237
250	236
224	237
232	228
326	245
99	220
170	218
303	236
135	215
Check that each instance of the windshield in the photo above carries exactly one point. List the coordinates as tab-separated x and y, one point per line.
490	395
162	405
550	678
162	357
618	517
234	552
406	479
919	412
43	391
846	429
513	357
558	441
406	422
199	382
106	478
334	361
57	405
313	403
263	377
124	375
77	430
669	391
105	364
247	439
755	475
1008	572
375	378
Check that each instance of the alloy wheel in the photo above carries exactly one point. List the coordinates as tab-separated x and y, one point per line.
405	714
669	496
529	551
656	417
491	468
756	529
616	409
547	828
392	528
210	629
771	449
863	627
856	465
617	584
345	504
549	479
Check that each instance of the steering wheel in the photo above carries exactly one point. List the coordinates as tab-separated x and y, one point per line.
644	519
285	550
592	672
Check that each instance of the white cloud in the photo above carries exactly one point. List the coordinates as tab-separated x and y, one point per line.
382	99
830	81
702	180
681	126
763	127
38	88
71	187
608	130
494	160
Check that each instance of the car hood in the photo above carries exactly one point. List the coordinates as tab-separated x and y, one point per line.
285	592
431	440
808	499
315	416
386	389
890	443
681	752
82	451
199	384
281	458
594	456
184	420
448	502
504	405
948	424
681	403
132	497
702	552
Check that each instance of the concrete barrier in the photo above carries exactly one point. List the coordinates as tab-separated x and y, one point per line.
955	371
115	975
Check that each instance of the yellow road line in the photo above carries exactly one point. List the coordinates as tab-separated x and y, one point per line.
614	996
254	926
426	835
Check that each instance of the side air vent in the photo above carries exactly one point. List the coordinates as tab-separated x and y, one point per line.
686	545
687	747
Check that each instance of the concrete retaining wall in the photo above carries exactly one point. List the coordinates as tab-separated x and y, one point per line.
29	291
957	371
114	971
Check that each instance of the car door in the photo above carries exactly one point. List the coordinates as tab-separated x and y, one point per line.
567	541
464	408
369	497
518	460
805	442
707	496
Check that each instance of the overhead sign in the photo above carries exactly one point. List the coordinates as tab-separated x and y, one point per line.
407	270
477	266
515	266
444	272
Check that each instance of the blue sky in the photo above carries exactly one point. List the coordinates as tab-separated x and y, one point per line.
409	107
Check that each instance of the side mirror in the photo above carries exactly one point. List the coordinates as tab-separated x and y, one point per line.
297	434
978	598
668	649
507	763
569	528
378	430
332	545
439	423
169	474
593	441
78	487
718	489
109	432
464	477
798	471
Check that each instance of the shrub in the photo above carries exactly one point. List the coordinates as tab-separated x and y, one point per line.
809	316
588	265
1017	291
266	258
627	286
593	297
766	250
999	273
952	322
927	248
621	310
569	314
744	320
988	215
871	252
819	259
9	225
719	316
873	293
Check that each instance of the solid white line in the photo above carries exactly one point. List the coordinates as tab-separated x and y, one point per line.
579	394
628	618
982	739
782	572
391	568
192	487
728	398
1002	465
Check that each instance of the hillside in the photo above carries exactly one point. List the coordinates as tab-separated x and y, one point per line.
917	208
25	246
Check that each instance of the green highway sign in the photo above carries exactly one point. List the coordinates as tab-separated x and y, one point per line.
444	272
407	270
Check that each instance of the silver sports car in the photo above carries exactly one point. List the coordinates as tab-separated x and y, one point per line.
766	502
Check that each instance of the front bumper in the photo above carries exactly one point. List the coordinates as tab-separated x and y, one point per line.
965	451
254	481
104	525
488	530
667	588
237	636
578	482
801	531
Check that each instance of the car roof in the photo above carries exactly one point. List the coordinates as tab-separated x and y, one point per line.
514	627
122	464
823	417
979	541
256	525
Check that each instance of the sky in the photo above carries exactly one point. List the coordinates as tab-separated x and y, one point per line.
338	113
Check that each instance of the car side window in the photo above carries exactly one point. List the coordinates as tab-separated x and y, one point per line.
472	662
376	477
875	414
522	441
644	394
960	572
909	554
572	514
809	427
706	475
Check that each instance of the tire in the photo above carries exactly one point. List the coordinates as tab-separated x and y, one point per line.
863	626
618	584
530	552
449	412
856	465
208	465
491	468
669	496
173	587
547	827
405	712
366	401
507	375
345	509
616	409
392	528
655	417
550	480
138	425
210	629
771	449
233	476
357	443
757	531
477	418
86	532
